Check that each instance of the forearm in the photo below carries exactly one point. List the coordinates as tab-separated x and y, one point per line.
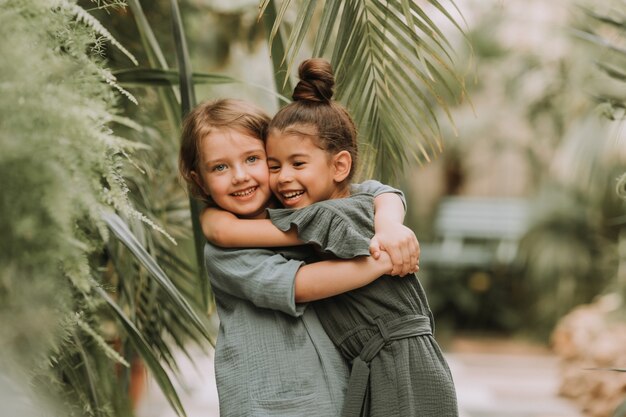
328	278
392	236
388	208
242	233
226	230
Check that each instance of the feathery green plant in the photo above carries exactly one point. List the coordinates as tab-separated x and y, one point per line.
62	169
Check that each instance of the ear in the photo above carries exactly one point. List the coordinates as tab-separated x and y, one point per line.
198	180
342	164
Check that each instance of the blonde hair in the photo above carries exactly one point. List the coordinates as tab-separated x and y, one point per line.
233	114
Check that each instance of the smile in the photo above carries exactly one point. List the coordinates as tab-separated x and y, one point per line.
291	194
244	193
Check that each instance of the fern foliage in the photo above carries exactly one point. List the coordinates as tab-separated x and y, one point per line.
61	166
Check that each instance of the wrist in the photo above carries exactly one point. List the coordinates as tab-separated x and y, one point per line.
381	266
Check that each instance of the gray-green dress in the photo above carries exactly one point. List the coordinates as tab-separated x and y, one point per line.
385	328
272	357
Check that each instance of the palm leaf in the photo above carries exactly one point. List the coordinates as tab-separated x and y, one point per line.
188	101
599	40
391	62
123	233
277	46
327	26
90	374
143	349
161	77
156	59
294	43
612	71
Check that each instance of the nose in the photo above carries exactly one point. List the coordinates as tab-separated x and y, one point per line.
240	174
285	176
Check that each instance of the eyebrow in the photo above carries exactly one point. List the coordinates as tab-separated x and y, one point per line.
293	155
251	152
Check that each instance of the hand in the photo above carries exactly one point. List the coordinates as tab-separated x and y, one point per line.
402	246
383	263
214	221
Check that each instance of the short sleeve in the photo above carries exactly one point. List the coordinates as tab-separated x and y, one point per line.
261	276
376	188
342	227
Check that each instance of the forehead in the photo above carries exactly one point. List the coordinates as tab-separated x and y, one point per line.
286	146
228	139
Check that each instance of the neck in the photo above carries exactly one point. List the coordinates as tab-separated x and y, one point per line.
342	191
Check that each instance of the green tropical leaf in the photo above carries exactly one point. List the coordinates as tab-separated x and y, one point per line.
165	77
143	349
123	233
392	64
599	40
277	48
156	59
188	101
612	71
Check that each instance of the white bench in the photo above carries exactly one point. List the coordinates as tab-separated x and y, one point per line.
476	232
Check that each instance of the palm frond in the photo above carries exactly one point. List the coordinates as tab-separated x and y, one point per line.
188	101
269	15
143	348
156	59
392	63
123	233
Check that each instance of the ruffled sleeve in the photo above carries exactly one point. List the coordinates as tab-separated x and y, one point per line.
342	227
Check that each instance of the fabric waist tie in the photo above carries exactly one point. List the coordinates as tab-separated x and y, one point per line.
358	385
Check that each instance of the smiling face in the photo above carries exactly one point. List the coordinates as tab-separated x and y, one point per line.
233	172
301	173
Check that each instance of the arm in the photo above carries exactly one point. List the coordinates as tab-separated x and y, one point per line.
392	236
329	278
269	280
224	229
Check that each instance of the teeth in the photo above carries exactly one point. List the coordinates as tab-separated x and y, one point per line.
244	192
293	194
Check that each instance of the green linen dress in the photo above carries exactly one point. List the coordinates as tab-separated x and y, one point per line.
272	356
384	329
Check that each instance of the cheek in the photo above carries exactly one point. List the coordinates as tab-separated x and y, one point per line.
273	181
261	174
213	186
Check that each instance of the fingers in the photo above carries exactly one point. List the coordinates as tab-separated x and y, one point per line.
397	261
403	250
407	263
375	248
415	254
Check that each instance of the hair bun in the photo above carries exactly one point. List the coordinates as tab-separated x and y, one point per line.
316	81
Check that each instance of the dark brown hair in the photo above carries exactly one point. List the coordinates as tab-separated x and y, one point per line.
208	116
313	106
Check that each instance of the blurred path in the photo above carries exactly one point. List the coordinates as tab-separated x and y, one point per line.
504	385
488	385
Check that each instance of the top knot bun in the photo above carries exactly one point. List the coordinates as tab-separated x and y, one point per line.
316	81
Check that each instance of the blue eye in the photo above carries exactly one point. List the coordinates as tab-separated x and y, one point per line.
220	167
252	159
